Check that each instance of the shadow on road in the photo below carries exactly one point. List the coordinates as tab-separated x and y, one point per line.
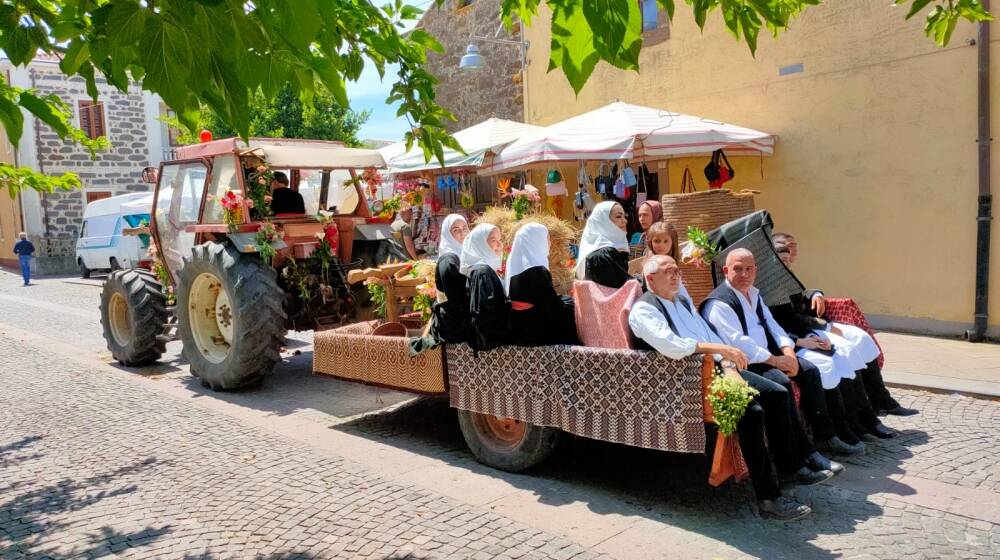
670	488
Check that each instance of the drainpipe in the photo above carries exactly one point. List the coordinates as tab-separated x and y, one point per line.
981	320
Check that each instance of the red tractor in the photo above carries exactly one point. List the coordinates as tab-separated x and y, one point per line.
242	277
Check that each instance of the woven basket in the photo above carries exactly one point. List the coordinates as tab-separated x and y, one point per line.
355	354
706	210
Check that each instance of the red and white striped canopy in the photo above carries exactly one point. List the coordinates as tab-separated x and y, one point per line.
623	131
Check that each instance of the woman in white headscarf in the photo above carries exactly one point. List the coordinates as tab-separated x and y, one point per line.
450	320
489	308
541	316
603	254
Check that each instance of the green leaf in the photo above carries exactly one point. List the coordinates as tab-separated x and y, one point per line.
167	58
916	7
74	57
300	21
425	39
19	47
668	6
11	117
127	22
572	47
47	112
617	29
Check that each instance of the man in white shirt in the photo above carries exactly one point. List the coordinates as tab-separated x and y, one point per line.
665	321
741	318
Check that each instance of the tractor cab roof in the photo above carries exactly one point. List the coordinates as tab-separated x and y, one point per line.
289	153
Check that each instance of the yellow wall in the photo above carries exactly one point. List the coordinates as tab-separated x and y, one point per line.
10	215
875	165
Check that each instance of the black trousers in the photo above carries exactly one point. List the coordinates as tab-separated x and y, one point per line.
843	419
860	412
878	394
763	475
786	439
813	397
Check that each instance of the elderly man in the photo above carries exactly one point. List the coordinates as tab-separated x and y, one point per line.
739	316
862	345
24	249
665	321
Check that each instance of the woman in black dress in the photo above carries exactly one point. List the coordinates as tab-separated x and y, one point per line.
541	316
489	308
603	254
450	321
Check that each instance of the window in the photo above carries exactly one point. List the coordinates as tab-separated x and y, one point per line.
92	118
655	26
96	195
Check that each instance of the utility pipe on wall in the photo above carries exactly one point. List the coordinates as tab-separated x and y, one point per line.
985	199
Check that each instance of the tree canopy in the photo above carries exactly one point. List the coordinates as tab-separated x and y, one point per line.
285	116
221	54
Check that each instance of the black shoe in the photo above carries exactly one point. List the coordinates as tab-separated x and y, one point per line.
784	508
836	446
806	476
902	411
882	431
818	462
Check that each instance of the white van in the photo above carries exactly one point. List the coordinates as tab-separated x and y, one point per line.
102	246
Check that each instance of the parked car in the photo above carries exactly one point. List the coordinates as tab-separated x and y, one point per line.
102	246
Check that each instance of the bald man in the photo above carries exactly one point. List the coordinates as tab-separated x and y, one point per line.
740	317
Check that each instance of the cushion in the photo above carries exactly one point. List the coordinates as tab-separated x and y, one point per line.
602	313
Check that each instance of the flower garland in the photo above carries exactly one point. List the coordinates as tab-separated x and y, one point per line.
160	270
257	189
412	193
264	241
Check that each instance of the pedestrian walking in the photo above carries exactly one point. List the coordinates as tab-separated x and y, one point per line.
24	249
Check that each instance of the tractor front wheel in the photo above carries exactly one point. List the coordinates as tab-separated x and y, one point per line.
133	312
230	316
504	443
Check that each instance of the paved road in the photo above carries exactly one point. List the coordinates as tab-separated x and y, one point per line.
98	460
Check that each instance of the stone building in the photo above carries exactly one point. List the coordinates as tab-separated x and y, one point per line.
131	123
474	96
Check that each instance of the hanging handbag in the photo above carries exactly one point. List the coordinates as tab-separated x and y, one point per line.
604	182
716	174
583	178
641	190
618	189
687	181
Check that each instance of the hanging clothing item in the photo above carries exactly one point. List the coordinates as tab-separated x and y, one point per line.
476	251
447	243
530	248
600	232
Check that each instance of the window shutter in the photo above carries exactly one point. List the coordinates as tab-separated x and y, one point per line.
85	120
98	118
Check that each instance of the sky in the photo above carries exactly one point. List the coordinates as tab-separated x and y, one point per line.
369	93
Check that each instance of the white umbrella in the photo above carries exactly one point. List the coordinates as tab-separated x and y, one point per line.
477	141
624	131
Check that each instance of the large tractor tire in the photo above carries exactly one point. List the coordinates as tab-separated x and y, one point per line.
230	316
506	444
133	313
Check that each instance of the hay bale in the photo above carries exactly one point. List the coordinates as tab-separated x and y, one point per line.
561	233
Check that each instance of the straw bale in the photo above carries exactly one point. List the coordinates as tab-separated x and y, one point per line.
561	233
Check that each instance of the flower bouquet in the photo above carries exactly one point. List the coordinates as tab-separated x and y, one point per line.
729	397
232	209
698	250
522	200
257	189
424	300
264	241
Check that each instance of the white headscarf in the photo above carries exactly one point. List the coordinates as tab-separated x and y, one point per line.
530	249
476	251
448	243
599	232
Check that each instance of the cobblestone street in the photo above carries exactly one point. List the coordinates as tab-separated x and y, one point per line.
98	460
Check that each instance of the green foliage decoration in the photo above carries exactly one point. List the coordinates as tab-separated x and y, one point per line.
729	397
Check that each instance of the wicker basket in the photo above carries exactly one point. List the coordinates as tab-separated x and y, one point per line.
354	354
706	210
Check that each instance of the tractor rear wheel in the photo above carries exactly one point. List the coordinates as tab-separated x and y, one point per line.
133	312
506	444
230	316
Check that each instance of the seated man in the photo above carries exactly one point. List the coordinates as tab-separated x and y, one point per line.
283	199
402	231
740	318
664	320
862	345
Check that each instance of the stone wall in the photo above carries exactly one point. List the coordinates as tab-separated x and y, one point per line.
117	170
474	96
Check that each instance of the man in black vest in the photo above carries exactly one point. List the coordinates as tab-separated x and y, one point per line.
741	318
665	321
